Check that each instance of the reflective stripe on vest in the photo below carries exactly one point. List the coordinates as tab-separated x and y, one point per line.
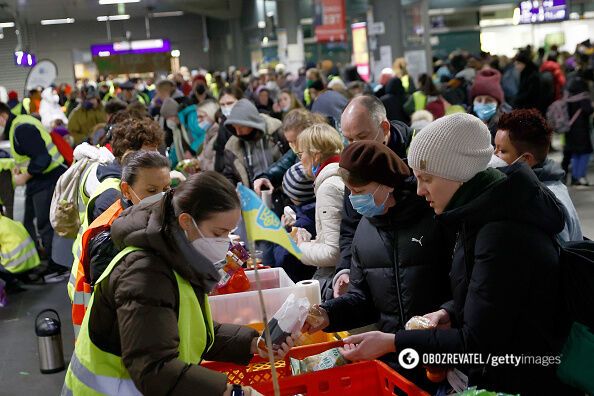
17	249
107	184
82	287
56	157
82	193
420	100
96	372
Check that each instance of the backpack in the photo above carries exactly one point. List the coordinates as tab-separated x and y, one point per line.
64	213
577	287
558	114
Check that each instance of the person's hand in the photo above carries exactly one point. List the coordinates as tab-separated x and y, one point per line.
278	353
289	217
317	319
368	346
440	319
342	285
302	236
262	182
21	178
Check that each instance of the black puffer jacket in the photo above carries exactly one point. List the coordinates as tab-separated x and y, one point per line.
400	268
505	284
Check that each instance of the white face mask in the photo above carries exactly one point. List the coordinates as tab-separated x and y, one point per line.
150	199
213	248
226	110
171	124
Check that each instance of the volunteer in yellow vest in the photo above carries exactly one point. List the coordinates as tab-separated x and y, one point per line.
148	325
130	95
127	136
145	177
17	249
38	165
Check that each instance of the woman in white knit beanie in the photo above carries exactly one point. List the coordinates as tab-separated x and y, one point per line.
505	266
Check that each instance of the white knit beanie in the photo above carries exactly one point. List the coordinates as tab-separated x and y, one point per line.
454	147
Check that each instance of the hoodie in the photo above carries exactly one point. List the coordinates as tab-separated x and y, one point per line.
504	281
251	155
552	176
330	104
136	308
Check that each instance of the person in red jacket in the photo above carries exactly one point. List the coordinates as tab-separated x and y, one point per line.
551	66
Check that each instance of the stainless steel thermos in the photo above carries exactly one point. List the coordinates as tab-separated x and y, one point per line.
49	342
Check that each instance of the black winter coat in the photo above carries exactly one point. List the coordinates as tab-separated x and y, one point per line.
505	284
399	269
529	89
579	138
394	100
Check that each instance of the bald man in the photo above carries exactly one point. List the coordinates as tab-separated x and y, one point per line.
364	119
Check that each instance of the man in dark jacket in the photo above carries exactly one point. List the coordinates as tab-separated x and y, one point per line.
533	92
505	268
365	119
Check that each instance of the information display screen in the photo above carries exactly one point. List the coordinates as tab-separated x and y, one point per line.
539	11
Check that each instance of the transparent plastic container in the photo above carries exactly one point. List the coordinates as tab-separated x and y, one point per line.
244	308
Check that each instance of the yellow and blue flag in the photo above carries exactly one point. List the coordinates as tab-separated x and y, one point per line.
262	224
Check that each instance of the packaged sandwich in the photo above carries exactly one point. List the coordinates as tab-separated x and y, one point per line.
323	361
418	323
288	320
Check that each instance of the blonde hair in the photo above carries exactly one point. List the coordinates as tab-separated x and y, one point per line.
322	139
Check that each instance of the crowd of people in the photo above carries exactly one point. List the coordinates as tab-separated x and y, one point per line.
431	196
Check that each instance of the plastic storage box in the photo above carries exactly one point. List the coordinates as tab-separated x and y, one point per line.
244	308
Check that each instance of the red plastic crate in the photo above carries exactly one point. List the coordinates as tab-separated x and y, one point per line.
364	378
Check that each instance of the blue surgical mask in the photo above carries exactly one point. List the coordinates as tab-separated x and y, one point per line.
485	111
365	205
204	125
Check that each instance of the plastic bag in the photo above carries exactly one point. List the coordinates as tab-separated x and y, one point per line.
481	392
323	361
289	319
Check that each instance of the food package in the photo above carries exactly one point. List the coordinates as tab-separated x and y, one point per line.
418	323
323	361
288	320
233	278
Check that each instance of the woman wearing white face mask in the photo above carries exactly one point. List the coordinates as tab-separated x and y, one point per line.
149	325
145	176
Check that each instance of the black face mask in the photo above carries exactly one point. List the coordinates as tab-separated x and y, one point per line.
200	89
253	135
